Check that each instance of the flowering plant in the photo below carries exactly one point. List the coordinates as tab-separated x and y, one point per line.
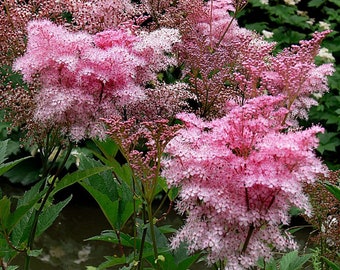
223	134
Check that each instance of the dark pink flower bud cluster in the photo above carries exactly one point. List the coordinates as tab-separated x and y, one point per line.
95	16
14	16
239	175
142	144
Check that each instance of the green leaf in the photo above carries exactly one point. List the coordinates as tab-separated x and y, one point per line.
167	229
335	190
108	147
21	230
115	198
19	213
328	142
3	150
112	261
27	173
32	194
7	166
91	268
315	3
48	216
337	2
188	261
270	265
292	261
77	176
34	252
5	207
331	264
331	146
111	237
109	208
257	26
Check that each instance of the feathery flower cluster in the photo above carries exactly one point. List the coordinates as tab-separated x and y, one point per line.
239	175
85	77
294	74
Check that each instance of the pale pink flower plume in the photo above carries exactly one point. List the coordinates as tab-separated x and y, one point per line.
239	175
86	77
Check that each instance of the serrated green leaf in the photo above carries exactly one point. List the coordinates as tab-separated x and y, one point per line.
257	26
48	216
328	147
77	176
333	119
108	147
337	2
114	198
19	213
3	150
32	194
21	230
292	261
108	207
188	261
7	166
167	229
27	173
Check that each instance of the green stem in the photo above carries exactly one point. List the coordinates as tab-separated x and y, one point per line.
152	232
40	209
143	239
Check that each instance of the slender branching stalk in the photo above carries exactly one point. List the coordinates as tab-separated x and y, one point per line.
43	202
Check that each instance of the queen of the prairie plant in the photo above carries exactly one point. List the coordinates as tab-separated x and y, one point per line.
239	175
239	171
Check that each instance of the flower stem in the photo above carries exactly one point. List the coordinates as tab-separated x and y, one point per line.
152	232
246	242
42	205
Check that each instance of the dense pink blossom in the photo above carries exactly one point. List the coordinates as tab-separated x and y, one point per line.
239	175
84	77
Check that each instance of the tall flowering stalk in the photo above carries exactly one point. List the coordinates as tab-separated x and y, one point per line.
78	79
142	145
242	169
